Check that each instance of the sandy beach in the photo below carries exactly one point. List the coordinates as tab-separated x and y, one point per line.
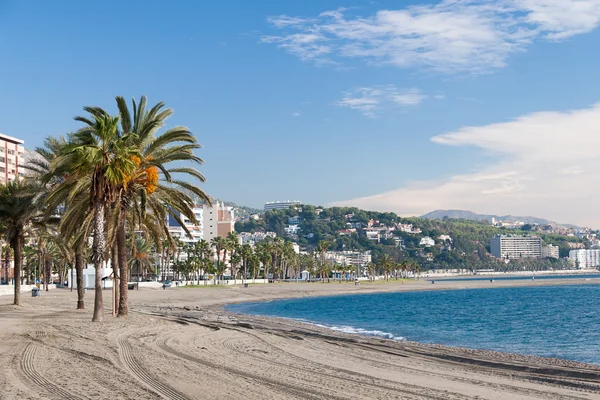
181	344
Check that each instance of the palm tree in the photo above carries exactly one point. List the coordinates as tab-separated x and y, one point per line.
154	184
203	253
322	247
99	161
264	256
142	257
372	268
386	263
219	244
245	253
18	209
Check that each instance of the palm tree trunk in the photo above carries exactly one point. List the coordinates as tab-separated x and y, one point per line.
98	248
47	273
16	245
79	266
123	270
114	262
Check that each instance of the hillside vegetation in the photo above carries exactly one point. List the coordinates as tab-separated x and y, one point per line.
346	228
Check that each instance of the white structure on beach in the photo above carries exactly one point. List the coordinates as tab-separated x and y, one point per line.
508	247
583	259
89	277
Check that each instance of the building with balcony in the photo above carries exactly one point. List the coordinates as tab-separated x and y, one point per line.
11	158
584	259
508	247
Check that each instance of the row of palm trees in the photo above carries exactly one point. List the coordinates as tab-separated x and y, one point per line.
111	183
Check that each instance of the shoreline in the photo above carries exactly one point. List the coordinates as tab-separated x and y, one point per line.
181	343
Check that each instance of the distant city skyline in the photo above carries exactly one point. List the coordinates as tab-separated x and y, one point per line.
404	106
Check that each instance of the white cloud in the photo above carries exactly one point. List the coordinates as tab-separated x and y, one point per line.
452	36
548	165
372	100
296	114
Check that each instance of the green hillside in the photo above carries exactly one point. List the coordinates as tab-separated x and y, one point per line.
346	228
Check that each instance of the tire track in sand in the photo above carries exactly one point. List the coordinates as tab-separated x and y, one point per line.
286	388
27	365
126	355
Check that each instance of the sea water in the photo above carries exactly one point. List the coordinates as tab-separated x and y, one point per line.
548	321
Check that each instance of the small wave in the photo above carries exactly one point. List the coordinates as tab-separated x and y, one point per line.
361	331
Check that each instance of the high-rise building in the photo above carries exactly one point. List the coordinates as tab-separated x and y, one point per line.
281	205
509	247
583	259
218	220
11	158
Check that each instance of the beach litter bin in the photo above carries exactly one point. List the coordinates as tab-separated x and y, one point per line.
245	285
36	292
356	283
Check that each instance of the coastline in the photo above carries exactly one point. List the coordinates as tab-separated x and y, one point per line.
177	341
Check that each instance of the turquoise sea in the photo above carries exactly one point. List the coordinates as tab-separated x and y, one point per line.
549	321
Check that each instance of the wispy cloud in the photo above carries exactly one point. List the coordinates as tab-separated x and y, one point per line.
549	163
296	114
474	36
372	100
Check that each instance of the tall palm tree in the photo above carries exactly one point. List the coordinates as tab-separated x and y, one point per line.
219	244
264	256
98	161
386	263
155	184
246	253
18	209
322	247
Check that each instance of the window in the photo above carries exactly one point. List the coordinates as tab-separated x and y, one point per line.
2	159
11	152
2	169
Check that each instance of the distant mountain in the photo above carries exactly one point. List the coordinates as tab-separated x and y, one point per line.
461	214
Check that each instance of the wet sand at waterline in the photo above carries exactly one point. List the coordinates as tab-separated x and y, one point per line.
180	344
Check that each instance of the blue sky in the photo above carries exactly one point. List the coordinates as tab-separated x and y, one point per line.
404	106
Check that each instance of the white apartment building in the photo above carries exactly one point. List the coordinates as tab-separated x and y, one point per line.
584	259
281	205
214	221
11	158
510	247
197	231
550	251
349	258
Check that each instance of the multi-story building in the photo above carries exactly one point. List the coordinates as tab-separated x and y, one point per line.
349	258
11	158
197	231
213	221
218	220
281	205
583	259
509	247
550	251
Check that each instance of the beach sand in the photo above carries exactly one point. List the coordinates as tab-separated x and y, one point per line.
180	344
